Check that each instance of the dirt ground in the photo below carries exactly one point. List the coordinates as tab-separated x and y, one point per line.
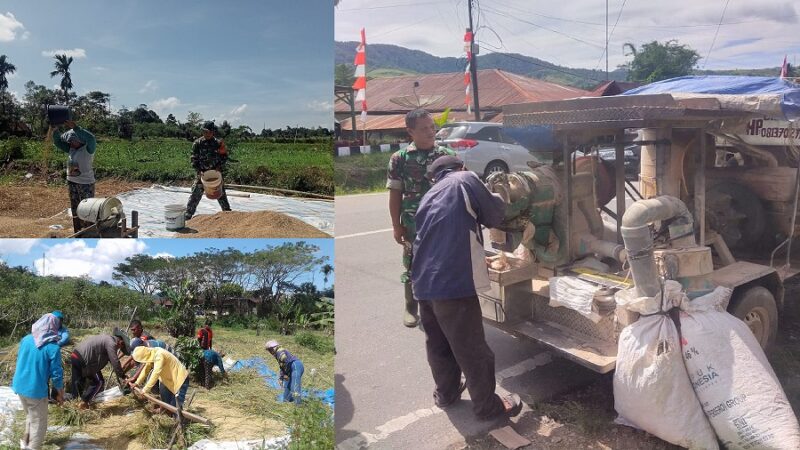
28	209
260	224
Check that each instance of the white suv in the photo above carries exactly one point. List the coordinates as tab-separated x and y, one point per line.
484	147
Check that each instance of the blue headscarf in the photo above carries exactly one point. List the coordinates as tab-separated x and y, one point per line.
45	330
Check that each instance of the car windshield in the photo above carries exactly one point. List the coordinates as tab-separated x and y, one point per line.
452	132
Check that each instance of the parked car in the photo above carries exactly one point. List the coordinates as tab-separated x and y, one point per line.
485	148
632	158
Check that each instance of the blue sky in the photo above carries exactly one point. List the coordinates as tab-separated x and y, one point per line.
97	257
250	62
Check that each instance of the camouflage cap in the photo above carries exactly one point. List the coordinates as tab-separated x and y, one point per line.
210	126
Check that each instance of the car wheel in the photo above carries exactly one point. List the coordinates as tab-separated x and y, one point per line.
756	307
736	213
495	166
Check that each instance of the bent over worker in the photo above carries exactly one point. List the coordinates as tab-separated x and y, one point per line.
291	372
88	360
38	361
163	367
449	270
208	153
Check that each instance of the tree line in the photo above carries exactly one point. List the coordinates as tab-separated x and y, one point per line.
27	117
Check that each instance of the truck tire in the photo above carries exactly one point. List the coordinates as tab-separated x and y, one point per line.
736	213
756	307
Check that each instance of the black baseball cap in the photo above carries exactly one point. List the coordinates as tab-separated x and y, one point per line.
446	162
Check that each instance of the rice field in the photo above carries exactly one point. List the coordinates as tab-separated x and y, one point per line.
301	166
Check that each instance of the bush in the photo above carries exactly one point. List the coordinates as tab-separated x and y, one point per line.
311	425
320	344
188	350
10	150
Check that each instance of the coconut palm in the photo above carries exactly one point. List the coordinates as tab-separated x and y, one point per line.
62	68
6	68
326	270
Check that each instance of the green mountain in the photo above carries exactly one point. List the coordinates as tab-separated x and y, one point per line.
391	60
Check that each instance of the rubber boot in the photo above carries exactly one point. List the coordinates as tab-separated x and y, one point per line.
411	316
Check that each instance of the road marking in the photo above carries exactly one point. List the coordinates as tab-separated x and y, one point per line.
524	366
397	424
366	233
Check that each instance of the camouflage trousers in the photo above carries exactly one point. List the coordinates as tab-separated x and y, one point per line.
197	194
407	220
78	192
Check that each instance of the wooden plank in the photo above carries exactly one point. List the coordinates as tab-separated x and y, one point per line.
170	408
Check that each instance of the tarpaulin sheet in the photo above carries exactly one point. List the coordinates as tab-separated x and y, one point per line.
770	95
150	202
9	405
271	379
250	444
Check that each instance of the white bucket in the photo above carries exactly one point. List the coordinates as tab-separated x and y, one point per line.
212	183
174	216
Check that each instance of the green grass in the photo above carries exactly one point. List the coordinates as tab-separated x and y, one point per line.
302	167
361	173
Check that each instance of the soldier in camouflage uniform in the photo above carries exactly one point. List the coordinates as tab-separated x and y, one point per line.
208	153
407	184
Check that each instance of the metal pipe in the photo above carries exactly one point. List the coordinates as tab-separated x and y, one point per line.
568	177
639	241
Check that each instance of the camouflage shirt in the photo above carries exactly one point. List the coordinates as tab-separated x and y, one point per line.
208	154
407	169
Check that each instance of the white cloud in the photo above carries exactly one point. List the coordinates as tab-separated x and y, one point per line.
11	28
318	105
16	246
165	104
164	255
239	110
77	259
150	86
77	53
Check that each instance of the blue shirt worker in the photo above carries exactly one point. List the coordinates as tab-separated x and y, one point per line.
80	145
214	359
448	271
38	362
291	371
63	332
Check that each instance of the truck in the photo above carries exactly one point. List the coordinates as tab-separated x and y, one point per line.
567	247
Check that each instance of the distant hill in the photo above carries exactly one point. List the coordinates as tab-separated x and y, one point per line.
393	60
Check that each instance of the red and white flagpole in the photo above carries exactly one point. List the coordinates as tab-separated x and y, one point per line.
360	85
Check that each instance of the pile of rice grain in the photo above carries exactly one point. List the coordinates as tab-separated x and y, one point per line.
257	224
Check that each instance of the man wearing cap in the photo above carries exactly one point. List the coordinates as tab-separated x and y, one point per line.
208	153
291	371
80	145
448	271
407	184
89	359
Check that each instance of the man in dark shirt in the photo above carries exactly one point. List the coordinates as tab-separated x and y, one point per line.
448	271
291	371
88	360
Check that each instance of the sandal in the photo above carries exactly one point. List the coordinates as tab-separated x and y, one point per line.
512	406
462	386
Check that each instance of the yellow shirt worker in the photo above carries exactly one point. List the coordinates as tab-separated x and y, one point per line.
165	368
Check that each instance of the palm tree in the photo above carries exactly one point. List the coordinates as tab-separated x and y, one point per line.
326	270
6	68
62	68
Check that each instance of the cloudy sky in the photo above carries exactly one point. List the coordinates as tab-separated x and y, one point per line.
753	34
96	258
251	62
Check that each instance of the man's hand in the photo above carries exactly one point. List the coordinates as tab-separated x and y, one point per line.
70	124
60	397
399	234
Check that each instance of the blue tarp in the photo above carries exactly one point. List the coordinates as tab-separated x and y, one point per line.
271	379
787	92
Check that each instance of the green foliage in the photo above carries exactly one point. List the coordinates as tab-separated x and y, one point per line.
188	350
11	150
655	61
324	317
361	173
181	320
311	425
316	342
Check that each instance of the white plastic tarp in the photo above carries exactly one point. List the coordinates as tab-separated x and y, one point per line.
9	405
150	202
266	444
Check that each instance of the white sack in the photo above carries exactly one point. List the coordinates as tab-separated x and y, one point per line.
651	389
735	383
575	294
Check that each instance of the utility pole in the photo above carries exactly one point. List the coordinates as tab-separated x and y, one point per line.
473	65
606	40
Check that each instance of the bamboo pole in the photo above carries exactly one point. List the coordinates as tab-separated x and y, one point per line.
170	408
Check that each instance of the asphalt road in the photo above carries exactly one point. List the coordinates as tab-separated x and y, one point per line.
383	382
